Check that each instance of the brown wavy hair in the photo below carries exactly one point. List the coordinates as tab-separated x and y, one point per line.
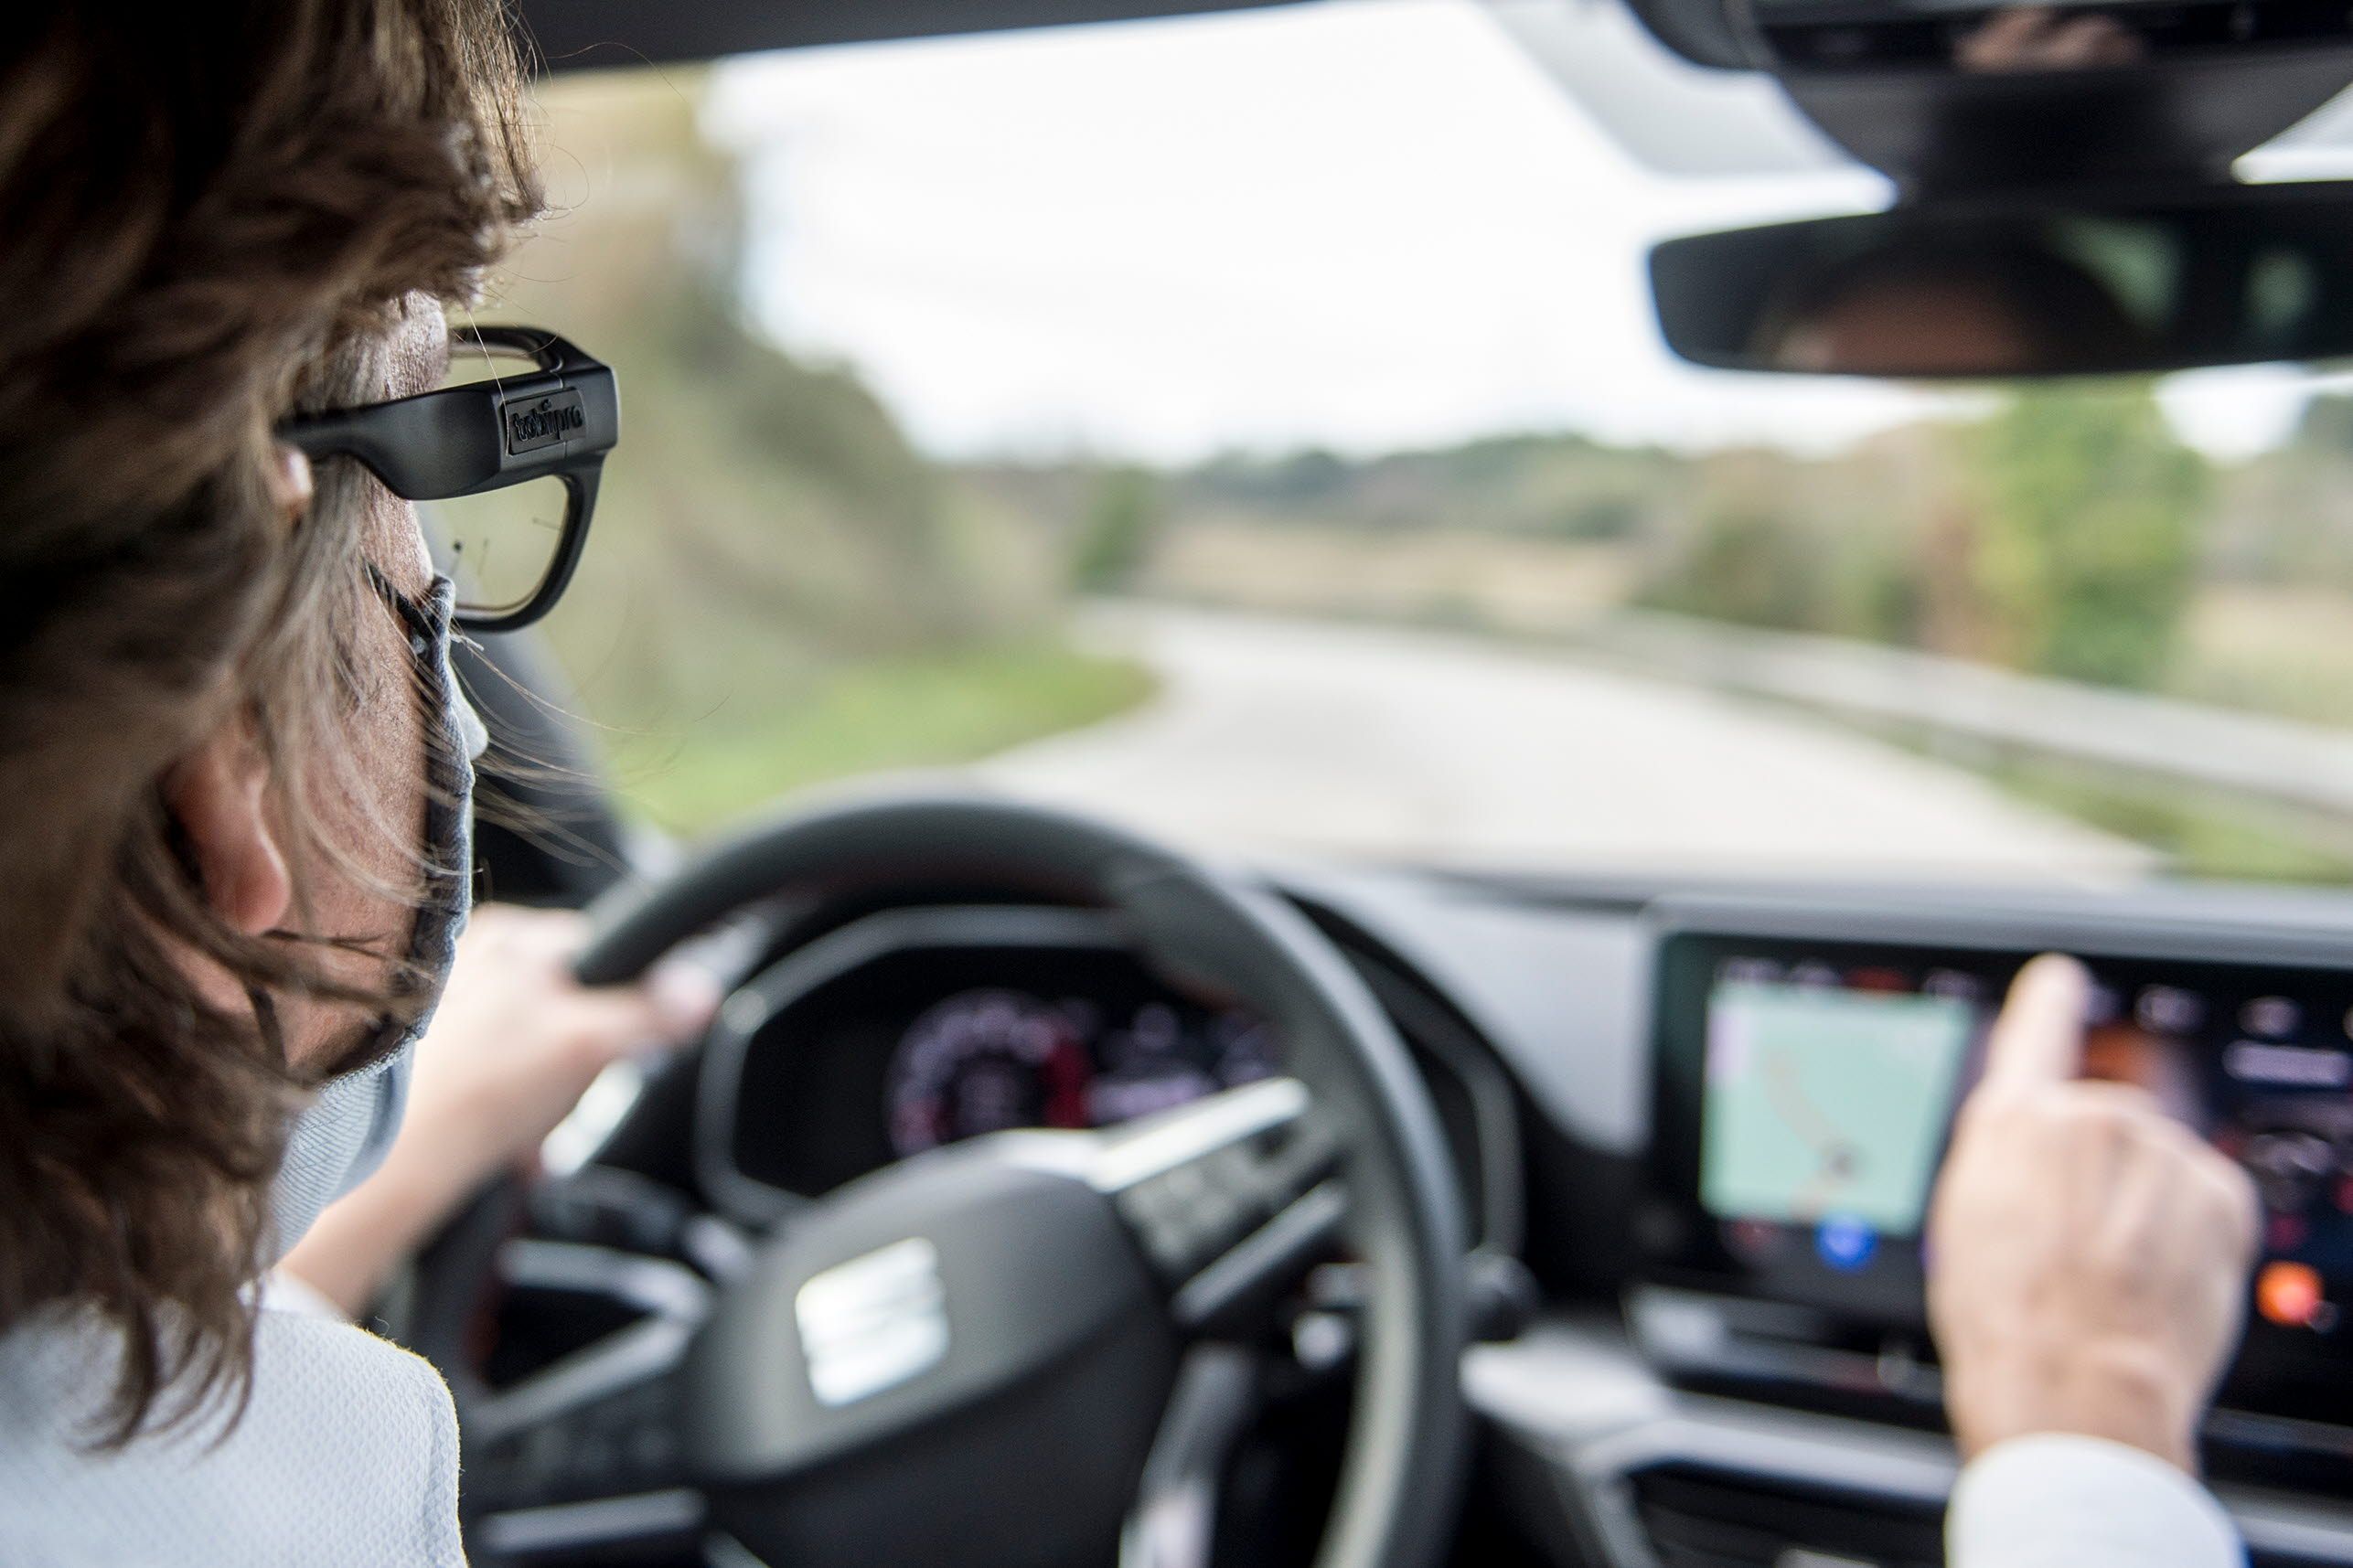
209	214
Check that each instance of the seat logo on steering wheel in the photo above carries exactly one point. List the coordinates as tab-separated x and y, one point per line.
872	1323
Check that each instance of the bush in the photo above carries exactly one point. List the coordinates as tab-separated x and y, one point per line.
1116	538
2086	534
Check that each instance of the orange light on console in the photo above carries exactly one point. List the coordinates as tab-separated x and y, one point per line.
2289	1293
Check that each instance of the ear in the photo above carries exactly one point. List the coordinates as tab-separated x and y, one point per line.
218	794
288	480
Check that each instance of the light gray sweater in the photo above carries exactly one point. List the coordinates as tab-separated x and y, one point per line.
346	1455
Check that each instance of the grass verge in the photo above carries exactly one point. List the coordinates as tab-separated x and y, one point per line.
2201	833
932	711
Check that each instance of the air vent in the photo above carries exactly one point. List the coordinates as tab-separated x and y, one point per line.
1788	1355
1699	1517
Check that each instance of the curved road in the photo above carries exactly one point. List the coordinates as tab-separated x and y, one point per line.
1415	745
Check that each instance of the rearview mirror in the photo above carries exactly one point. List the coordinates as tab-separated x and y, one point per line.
2232	275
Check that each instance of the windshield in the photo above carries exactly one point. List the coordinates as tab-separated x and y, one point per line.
1256	428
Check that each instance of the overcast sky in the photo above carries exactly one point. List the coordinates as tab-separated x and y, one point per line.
1362	225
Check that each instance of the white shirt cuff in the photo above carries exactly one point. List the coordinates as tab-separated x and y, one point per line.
2058	1500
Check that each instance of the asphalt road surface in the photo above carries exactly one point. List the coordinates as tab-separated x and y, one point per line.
1399	744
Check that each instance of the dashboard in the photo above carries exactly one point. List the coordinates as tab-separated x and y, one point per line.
1731	1366
1705	1120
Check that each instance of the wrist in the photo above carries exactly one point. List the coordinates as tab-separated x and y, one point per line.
420	1185
2125	1394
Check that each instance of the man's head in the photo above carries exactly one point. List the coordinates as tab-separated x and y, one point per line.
211	746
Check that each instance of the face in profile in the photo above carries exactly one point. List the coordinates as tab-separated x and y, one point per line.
1915	326
1994	311
352	881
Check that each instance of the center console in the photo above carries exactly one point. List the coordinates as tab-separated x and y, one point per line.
1770	1394
1806	1068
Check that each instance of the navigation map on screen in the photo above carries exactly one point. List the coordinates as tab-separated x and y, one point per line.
1826	1104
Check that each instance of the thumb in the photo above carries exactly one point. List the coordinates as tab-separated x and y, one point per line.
2039	1039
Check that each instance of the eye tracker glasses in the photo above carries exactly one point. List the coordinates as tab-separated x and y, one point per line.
553	421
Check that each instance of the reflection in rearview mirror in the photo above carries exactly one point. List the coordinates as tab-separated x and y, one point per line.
2231	276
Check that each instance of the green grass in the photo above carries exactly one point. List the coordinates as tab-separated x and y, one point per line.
932	711
2201	833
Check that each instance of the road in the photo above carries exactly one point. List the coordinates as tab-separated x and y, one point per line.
1270	733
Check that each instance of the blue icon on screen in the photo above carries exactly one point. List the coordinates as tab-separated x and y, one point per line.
1845	1244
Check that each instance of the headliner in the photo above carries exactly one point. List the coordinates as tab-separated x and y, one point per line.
588	35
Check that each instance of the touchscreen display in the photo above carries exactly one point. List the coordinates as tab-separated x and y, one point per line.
1824	1104
1806	1091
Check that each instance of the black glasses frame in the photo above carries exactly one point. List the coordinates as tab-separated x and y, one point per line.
554	422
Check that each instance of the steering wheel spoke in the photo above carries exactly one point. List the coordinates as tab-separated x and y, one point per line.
1232	1198
587	1451
1175	1522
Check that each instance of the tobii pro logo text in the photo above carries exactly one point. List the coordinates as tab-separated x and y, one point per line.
543	422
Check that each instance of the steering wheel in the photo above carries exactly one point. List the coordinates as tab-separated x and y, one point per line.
1024	1347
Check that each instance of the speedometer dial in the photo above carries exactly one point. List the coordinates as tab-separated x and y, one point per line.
1161	1060
983	1061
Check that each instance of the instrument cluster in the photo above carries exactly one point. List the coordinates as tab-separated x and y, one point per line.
923	1028
994	1058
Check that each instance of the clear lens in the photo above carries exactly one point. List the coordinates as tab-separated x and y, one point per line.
498	546
471	359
